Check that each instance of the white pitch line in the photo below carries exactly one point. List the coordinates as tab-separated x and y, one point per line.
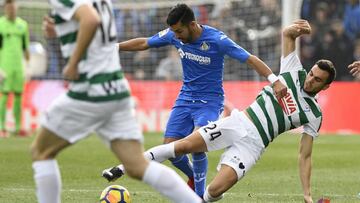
228	193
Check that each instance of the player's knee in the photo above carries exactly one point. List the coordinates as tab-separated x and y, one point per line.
38	154
215	191
136	172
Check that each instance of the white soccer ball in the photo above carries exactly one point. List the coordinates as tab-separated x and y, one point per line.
115	194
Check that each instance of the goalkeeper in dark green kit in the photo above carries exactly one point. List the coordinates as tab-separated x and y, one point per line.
14	44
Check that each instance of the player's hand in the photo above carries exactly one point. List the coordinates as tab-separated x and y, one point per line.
354	68
70	72
308	199
48	27
280	89
298	28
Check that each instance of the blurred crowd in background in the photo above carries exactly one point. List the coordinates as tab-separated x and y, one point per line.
253	24
335	33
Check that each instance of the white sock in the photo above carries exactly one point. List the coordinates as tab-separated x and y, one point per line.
47	180
169	184
208	198
159	153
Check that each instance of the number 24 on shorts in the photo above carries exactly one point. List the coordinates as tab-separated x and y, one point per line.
214	134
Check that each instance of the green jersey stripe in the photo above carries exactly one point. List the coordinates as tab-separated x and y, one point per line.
67	3
58	19
313	107
260	100
278	111
100	78
290	83
68	38
302	76
86	97
320	124
83	58
258	126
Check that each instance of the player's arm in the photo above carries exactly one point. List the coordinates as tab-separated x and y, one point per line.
160	39
260	67
305	152
89	20
290	33
230	48
48	27
137	44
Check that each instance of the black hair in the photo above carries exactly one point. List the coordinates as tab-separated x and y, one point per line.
329	67
182	13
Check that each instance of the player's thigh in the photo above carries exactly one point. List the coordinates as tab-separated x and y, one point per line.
207	112
46	145
72	119
7	84
222	133
19	82
130	153
180	123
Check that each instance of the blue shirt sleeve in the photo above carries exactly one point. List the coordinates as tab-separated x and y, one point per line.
230	48
162	38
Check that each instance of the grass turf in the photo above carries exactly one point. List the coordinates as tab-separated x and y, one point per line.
336	172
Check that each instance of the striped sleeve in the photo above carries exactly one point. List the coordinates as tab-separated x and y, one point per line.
312	128
290	63
67	8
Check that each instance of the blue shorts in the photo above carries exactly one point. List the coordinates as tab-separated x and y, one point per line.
188	114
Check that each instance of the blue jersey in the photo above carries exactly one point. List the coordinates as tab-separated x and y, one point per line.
202	61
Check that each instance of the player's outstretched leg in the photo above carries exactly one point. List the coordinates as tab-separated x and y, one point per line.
160	177
159	154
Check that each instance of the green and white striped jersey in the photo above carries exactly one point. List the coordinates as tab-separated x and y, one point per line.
101	77
272	117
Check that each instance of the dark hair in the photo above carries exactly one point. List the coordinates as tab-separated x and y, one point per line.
329	67
182	13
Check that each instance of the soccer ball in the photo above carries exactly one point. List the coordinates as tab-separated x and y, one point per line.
115	194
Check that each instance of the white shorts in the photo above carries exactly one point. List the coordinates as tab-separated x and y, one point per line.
73	119
240	139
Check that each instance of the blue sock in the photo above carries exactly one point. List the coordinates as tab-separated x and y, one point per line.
200	164
183	164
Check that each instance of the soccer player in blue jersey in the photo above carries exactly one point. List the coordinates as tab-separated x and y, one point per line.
202	49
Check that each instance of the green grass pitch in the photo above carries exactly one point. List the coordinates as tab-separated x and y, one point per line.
336	172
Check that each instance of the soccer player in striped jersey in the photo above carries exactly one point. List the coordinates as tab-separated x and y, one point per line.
202	50
245	135
98	101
